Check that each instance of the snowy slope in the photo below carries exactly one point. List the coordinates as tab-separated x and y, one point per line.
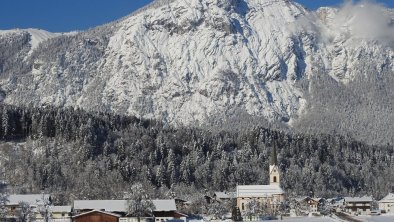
36	35
192	62
216	55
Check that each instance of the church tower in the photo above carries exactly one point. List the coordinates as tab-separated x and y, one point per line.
274	170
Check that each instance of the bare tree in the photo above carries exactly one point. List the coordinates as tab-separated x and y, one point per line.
217	209
139	203
45	209
25	212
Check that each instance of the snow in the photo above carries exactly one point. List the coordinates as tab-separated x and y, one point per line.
107	205
120	205
38	36
217	67
307	219
358	199
388	199
59	209
31	199
164	205
186	62
4	32
382	218
258	190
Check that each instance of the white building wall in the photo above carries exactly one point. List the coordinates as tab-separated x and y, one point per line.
387	207
54	220
133	219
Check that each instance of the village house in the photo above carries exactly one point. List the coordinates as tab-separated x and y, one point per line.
336	204
358	205
271	196
96	216
59	214
224	196
386	205
114	206
33	200
164	210
309	205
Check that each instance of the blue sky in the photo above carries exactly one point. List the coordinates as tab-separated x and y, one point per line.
68	15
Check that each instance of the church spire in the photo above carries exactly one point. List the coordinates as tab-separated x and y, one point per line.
274	170
274	157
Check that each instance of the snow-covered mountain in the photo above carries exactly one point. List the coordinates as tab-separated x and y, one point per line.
195	61
36	35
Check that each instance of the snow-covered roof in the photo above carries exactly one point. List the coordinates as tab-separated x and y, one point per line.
258	190
358	199
388	199
31	199
301	199
120	205
61	209
164	205
225	195
106	205
99	211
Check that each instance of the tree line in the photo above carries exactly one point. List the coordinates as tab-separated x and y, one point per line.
75	154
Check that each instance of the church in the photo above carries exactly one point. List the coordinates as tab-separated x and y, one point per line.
270	196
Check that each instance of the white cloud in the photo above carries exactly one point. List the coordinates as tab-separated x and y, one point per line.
364	19
361	20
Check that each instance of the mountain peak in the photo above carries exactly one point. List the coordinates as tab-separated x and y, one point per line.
190	62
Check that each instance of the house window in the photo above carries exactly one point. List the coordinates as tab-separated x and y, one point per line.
274	179
243	206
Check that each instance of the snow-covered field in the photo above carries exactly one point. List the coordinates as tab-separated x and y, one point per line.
309	219
384	218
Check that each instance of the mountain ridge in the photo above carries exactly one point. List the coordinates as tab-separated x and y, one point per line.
186	62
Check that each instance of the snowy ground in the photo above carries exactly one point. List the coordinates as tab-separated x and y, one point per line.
309	219
383	218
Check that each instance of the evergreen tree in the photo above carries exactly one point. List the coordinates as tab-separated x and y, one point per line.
3	200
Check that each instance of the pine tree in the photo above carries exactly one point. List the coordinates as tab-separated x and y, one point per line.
3	200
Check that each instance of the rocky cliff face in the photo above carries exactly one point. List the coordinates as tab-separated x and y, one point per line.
186	61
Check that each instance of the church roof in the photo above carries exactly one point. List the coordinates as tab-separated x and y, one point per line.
258	190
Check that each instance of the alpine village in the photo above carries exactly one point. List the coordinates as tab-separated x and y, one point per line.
196	110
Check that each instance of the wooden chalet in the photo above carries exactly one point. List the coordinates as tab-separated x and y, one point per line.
358	205
164	210
96	216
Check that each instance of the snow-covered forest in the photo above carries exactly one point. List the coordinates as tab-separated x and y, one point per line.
75	154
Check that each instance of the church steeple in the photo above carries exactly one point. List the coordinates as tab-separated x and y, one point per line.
274	170
274	158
